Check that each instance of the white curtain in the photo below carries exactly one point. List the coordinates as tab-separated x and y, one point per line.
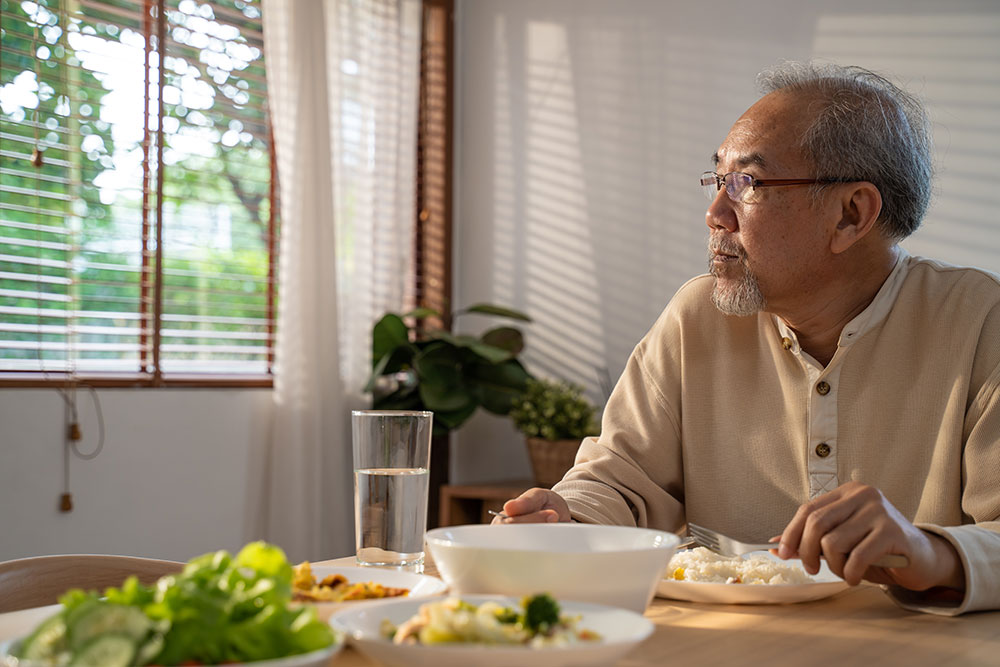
343	79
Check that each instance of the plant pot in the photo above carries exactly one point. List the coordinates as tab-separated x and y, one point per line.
550	459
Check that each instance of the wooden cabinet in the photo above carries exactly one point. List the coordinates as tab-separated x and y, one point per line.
468	503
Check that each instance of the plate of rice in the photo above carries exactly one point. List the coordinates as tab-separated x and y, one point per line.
759	577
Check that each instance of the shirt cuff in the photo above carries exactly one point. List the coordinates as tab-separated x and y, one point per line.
967	541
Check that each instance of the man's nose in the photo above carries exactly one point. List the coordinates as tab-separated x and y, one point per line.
720	213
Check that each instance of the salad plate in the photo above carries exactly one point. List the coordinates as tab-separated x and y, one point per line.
419	585
620	630
824	584
311	659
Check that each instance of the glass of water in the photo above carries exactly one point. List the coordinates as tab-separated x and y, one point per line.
392	452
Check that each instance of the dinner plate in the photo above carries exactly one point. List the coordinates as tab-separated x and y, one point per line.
824	584
420	585
620	631
311	659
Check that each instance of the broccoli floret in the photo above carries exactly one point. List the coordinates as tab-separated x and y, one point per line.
508	616
541	612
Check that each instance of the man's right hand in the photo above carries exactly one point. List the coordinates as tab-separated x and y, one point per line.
535	506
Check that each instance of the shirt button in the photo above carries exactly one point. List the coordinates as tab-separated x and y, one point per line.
823	450
823	388
786	343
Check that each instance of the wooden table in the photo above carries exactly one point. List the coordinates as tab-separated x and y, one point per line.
860	626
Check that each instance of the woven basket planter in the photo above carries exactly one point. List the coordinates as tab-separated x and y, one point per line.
550	459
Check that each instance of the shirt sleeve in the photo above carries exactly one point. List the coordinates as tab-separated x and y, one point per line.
977	543
631	474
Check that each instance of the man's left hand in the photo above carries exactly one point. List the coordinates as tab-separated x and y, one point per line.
853	526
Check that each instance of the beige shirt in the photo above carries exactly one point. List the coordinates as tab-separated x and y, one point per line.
726	422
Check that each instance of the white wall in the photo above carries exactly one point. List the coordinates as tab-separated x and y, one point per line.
582	129
584	125
179	473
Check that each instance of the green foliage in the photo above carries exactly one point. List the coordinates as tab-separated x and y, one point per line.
417	368
553	411
219	609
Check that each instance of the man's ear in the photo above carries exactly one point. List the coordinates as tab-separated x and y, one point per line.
861	204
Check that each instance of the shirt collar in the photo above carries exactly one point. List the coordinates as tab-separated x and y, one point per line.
871	316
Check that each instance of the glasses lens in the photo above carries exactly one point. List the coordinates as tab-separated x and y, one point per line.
710	184
737	184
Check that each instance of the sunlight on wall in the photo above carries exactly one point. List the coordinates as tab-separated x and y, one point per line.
953	63
586	127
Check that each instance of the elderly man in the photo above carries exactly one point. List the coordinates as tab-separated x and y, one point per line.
839	393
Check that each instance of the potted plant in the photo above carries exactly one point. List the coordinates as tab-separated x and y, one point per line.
415	367
554	417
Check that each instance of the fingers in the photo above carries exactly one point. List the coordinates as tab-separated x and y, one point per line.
852	527
544	516
828	532
791	537
535	506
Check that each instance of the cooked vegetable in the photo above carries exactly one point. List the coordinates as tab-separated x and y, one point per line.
456	621
541	612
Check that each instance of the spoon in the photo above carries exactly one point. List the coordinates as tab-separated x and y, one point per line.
499	514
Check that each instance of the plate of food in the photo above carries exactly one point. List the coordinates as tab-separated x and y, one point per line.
220	609
759	577
330	588
492	631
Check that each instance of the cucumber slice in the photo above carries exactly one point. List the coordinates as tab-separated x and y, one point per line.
109	650
106	617
150	649
47	641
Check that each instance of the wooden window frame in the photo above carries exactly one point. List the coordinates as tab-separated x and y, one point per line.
149	372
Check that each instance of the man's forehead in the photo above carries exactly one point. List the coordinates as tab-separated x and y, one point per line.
766	135
740	160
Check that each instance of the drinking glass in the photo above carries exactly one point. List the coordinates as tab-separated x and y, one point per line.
392	450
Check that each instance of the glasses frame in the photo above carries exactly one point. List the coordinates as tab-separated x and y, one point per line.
722	180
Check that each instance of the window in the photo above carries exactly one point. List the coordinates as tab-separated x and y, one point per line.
138	231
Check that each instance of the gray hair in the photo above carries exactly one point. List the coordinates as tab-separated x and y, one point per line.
868	129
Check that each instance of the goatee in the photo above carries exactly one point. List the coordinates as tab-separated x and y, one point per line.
734	297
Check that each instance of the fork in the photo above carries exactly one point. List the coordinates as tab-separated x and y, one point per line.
727	546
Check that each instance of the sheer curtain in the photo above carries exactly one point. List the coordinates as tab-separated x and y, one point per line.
343	80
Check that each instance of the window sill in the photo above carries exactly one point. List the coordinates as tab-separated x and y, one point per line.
37	380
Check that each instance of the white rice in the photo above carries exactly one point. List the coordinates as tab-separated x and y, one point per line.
700	564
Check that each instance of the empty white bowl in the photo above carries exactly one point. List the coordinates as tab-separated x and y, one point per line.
611	565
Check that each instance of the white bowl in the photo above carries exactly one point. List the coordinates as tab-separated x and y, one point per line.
610	565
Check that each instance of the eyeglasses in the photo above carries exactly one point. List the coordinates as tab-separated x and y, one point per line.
738	184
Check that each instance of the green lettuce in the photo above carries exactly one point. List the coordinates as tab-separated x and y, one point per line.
222	609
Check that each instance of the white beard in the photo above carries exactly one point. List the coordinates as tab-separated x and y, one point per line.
742	299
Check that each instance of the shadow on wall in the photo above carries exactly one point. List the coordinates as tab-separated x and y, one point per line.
599	138
952	61
601	120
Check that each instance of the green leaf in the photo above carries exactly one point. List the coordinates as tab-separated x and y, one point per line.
442	385
379	370
506	338
453	419
498	386
489	309
493	355
388	334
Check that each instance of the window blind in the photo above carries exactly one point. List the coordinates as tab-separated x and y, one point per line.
138	230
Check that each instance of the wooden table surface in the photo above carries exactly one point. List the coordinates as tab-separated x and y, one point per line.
859	626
